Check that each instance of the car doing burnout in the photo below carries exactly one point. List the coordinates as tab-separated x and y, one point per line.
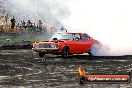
66	44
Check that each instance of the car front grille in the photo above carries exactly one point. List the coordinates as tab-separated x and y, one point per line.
45	46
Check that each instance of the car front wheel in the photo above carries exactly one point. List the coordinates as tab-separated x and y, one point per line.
41	54
65	52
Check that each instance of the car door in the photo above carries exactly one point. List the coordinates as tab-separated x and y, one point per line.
86	42
75	44
78	45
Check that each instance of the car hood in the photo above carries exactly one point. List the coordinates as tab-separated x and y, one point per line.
52	41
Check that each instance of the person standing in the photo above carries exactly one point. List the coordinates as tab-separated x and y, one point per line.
23	26
13	23
28	26
62	29
40	25
6	18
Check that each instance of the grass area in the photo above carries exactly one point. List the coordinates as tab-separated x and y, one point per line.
18	38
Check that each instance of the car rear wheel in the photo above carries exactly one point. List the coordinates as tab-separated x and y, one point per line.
41	54
94	50
90	54
65	52
90	51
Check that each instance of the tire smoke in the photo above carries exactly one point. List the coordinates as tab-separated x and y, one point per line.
110	22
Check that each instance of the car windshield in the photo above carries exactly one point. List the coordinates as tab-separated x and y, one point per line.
61	36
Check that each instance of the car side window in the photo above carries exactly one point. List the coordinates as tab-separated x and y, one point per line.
85	37
77	37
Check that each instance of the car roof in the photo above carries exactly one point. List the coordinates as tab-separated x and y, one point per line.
69	33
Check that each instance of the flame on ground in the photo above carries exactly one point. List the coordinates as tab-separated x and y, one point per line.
81	71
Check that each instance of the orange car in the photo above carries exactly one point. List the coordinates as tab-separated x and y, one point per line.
65	44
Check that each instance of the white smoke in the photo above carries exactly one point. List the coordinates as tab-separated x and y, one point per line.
50	11
109	21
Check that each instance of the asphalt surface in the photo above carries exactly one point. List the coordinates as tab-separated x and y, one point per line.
25	69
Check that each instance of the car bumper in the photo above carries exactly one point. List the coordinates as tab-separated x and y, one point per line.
46	50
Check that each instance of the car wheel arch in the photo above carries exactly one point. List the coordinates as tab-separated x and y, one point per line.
94	49
65	46
65	51
41	54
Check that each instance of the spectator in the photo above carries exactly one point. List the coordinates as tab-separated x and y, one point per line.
40	25
28	23
13	23
24	26
6	18
62	28
34	27
21	28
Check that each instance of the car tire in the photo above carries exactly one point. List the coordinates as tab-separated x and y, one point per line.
90	54
90	51
41	54
94	50
65	52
